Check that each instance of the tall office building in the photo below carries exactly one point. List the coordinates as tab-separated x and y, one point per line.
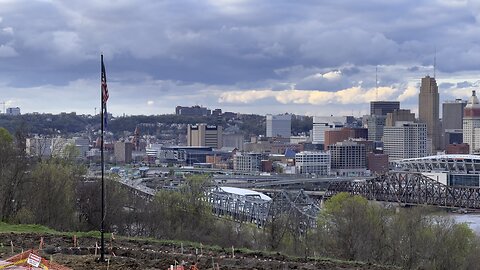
428	110
324	123
279	125
204	135
375	125
341	134
348	155
471	123
452	122
383	107
399	115
123	152
405	140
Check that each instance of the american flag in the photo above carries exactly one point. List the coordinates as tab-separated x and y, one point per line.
104	85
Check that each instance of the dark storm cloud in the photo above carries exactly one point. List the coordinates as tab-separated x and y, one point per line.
179	49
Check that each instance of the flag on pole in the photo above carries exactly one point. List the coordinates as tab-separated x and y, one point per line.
104	93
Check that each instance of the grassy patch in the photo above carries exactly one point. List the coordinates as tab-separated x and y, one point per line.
39	229
25	228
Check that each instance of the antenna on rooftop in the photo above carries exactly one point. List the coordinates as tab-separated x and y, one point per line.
435	63
376	83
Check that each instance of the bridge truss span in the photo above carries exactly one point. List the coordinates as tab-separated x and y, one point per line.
410	188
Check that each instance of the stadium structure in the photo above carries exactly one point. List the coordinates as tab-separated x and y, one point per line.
451	170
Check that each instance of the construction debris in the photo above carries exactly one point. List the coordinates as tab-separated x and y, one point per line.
29	259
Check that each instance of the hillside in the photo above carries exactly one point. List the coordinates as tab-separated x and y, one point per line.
138	253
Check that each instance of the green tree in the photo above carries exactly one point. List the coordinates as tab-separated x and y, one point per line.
183	214
13	167
356	228
52	194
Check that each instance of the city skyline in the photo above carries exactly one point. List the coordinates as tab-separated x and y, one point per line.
237	55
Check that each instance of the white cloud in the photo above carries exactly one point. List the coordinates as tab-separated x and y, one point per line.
409	92
150	102
332	75
353	95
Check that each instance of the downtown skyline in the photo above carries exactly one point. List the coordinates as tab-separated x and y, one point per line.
238	55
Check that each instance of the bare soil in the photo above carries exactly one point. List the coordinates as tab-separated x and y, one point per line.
146	254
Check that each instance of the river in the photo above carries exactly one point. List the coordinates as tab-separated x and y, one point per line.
473	220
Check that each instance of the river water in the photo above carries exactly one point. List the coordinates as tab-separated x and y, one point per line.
473	220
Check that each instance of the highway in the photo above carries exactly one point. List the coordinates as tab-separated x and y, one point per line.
292	182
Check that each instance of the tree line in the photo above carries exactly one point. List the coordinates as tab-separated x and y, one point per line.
54	193
70	123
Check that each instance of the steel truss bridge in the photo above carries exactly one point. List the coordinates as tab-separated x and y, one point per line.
410	189
295	205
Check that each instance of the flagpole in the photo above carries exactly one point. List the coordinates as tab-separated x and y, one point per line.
102	228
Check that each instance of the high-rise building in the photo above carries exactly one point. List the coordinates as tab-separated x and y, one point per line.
341	134
348	155
405	140
452	114
204	135
279	125
428	110
317	163
348	158
383	107
399	115
453	136
452	121
324	123
251	162
471	123
375	125
123	152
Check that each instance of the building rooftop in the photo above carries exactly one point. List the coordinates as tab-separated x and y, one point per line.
245	192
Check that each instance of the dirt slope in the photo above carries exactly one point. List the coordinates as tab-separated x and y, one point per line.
145	254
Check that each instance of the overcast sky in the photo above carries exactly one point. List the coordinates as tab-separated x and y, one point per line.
251	56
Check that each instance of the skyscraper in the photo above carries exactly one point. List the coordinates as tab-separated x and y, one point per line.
452	114
279	125
471	123
428	110
377	117
375	124
452	121
399	115
383	107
